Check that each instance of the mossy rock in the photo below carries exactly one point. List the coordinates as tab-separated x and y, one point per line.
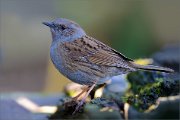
99	108
147	87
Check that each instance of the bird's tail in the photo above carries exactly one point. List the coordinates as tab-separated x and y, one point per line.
152	68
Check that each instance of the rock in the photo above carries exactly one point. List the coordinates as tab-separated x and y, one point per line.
97	109
143	94
168	108
101	108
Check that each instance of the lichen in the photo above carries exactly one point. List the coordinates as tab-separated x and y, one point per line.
144	94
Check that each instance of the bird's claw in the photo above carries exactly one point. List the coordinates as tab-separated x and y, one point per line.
78	107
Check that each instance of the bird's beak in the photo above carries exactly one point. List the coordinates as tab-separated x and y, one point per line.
49	24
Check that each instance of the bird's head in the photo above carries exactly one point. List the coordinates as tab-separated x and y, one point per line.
65	30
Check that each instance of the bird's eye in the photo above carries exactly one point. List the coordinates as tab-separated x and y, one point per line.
62	27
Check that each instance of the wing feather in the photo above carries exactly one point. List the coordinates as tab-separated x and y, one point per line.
95	52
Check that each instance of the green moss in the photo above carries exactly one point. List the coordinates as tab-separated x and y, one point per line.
143	94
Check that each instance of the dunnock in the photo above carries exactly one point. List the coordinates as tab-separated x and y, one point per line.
85	60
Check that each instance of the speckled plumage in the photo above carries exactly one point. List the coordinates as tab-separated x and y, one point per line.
84	59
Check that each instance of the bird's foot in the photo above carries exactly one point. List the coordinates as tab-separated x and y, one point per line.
79	105
84	98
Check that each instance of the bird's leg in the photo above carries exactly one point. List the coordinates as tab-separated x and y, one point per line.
84	90
84	98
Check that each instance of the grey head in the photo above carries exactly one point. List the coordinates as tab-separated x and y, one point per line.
64	30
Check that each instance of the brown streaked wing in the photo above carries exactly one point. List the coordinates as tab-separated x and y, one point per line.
95	52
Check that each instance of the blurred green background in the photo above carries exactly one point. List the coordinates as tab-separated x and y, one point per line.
135	28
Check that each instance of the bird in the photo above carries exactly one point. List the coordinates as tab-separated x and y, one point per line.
86	60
